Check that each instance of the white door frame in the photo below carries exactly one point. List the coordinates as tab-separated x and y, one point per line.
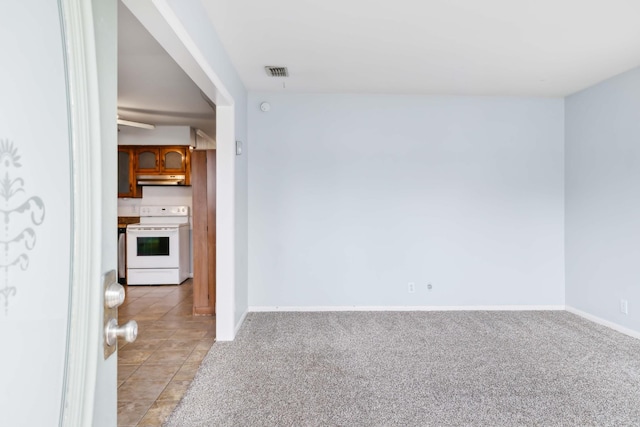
163	24
85	326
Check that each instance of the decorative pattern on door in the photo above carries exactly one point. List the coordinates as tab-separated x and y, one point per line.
19	214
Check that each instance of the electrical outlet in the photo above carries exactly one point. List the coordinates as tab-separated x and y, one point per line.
411	287
624	306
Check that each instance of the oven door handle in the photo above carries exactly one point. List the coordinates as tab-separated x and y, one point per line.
157	232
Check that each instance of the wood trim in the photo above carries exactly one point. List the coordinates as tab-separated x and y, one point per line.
203	164
211	221
131	160
199	213
204	311
187	172
137	189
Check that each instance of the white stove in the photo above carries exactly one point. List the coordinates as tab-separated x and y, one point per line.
158	247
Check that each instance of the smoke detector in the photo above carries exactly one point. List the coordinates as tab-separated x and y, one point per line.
274	71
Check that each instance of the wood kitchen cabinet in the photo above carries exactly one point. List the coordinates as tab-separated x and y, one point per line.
175	159
162	160
126	173
150	160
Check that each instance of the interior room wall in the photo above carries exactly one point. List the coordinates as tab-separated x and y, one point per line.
352	197
242	218
602	146
214	60
161	135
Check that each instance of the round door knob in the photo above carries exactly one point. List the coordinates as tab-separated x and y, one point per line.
114	295
128	331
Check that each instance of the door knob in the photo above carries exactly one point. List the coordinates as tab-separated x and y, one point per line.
114	295
128	331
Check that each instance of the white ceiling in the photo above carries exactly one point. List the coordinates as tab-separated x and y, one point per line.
152	88
463	47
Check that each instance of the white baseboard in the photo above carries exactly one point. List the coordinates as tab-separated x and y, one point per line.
240	322
260	308
590	317
603	322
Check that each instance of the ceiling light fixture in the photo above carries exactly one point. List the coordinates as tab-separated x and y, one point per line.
135	124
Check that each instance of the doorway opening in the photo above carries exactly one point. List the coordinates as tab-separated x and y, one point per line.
167	29
178	324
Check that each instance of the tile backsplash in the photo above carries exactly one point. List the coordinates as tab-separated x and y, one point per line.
155	196
126	209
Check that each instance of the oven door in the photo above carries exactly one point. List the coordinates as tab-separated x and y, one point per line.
153	247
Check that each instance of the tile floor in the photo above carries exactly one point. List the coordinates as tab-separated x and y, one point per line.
155	370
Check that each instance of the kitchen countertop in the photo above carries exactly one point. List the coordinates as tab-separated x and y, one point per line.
123	221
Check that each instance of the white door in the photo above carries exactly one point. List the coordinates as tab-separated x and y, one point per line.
57	210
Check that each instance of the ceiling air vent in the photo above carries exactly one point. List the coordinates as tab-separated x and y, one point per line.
276	71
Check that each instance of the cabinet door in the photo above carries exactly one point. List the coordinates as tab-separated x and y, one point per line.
173	160
126	177
148	160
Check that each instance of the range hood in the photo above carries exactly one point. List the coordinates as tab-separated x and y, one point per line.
160	179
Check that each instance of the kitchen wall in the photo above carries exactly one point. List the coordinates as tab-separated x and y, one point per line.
351	197
603	200
151	196
161	135
154	196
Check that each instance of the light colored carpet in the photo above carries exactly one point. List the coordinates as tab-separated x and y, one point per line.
417	369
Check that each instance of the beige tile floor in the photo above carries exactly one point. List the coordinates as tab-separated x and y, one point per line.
155	370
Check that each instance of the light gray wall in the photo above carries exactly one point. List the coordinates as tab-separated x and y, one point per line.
201	31
242	222
602	146
353	196
161	135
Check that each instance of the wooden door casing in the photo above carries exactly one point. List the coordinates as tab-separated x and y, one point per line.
203	176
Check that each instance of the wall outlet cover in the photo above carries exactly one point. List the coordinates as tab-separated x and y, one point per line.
624	306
